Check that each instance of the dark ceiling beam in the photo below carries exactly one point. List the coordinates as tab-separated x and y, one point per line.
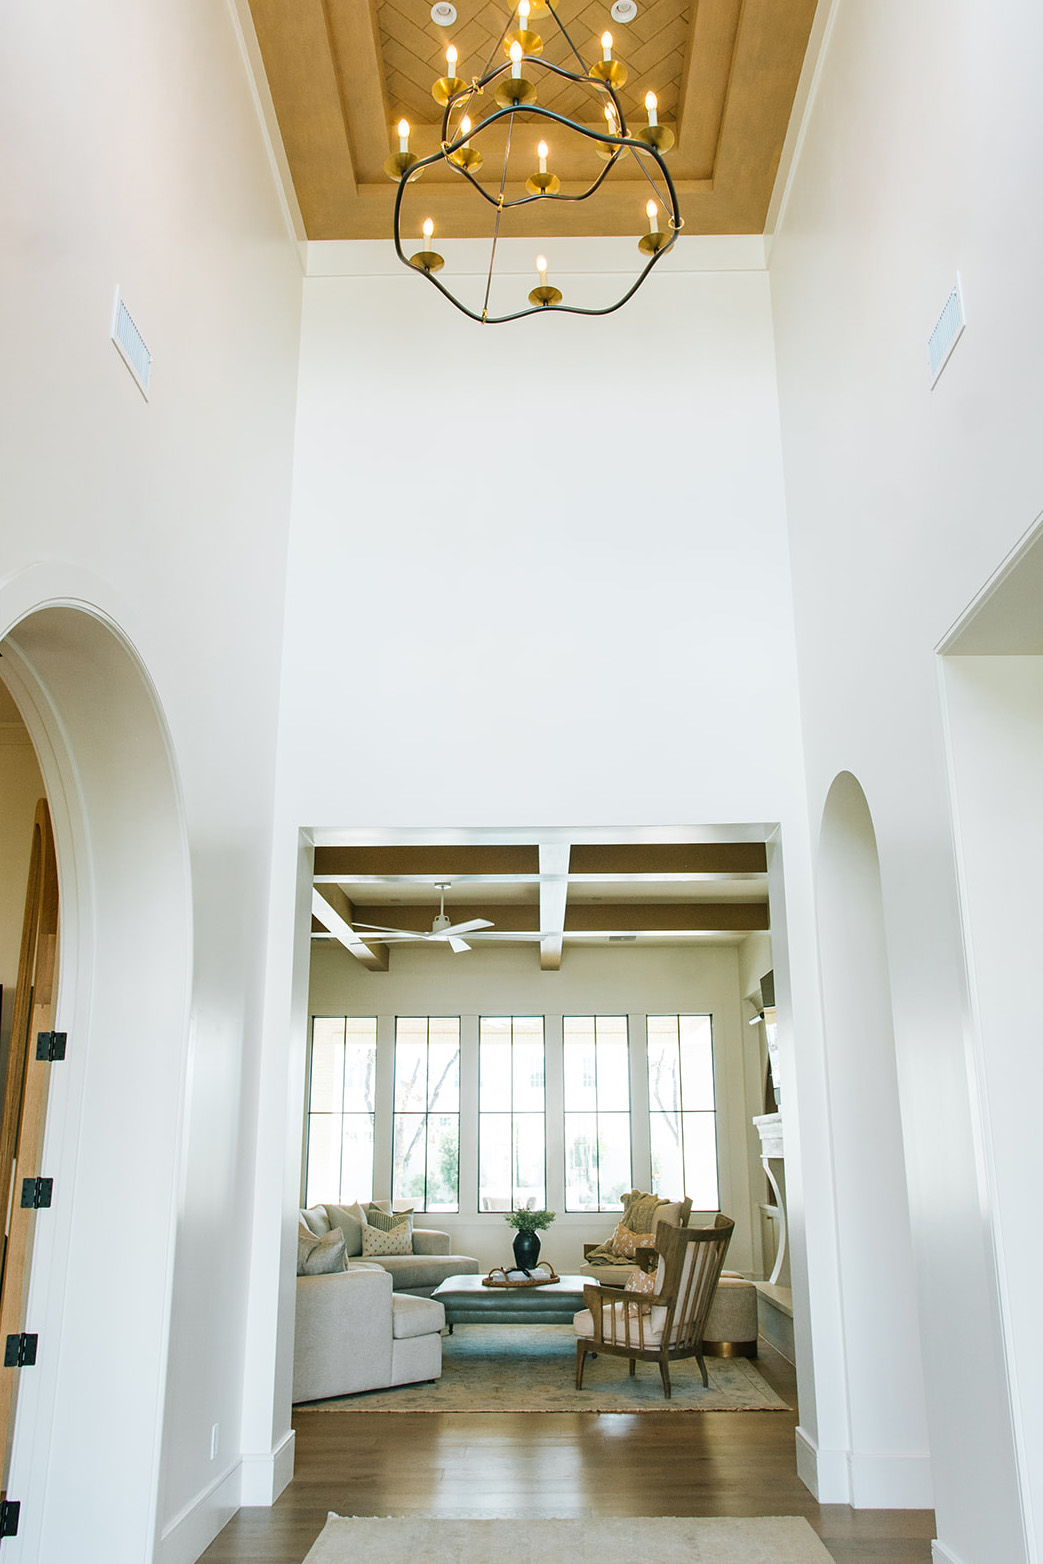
726	917
343	863
669	858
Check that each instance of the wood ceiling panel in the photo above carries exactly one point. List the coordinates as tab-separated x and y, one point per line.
342	72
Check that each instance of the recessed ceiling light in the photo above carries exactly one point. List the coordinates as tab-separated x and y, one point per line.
445	14
624	11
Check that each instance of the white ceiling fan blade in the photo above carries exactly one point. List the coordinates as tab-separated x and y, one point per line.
458	944
468	927
382	928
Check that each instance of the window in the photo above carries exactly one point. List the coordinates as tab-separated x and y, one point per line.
597	1112
512	1167
682	1109
342	1068
426	1153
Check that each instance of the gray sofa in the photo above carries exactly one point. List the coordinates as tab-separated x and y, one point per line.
417	1274
354	1333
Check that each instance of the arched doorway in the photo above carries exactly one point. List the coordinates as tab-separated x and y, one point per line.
887	1420
86	1455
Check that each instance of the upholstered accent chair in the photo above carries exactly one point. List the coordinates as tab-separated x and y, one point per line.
664	1325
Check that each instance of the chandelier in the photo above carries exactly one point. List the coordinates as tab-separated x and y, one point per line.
511	79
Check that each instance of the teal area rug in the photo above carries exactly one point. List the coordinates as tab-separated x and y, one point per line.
773	1539
532	1368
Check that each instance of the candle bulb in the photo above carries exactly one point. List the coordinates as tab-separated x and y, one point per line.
403	135
523	15
653	215
541	152
516	54
651	104
606	47
465	129
451	57
429	229
541	267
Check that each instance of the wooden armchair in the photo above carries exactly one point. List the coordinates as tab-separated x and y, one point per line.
664	1325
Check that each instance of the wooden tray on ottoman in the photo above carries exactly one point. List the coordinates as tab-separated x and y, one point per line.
467	1301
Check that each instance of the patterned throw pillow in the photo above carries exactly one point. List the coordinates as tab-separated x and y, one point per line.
387	1220
625	1243
399	1240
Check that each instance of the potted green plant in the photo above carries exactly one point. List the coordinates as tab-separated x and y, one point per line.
527	1225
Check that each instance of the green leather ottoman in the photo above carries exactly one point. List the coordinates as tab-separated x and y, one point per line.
467	1302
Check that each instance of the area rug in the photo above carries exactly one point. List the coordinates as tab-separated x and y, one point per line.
773	1539
532	1368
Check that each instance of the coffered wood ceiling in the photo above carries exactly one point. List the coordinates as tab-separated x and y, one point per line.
546	892
343	72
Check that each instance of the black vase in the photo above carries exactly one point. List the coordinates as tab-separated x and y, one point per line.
526	1250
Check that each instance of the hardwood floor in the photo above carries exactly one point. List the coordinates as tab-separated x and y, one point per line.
556	1464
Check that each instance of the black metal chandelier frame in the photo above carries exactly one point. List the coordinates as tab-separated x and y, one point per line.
621	143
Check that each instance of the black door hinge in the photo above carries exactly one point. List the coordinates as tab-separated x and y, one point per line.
20	1351
36	1193
51	1045
9	1509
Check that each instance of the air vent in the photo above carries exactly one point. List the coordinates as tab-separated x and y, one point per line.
622	939
946	333
131	345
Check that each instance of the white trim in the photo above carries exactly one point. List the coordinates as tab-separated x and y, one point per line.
824	1472
940	1554
246	37
891	1482
194	1528
694	253
800	118
265	1476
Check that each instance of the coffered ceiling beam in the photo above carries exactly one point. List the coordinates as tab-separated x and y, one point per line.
669	858
333	910
341	863
725	917
554	891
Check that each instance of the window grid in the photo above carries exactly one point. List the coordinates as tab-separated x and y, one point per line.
342	1059
512	1141
596	1057
426	1121
682	1109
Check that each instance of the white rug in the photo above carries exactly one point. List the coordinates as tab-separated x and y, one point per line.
532	1368
773	1539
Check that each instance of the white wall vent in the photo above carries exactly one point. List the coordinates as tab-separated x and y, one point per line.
947	332
131	345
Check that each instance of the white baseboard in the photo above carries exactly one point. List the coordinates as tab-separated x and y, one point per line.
891	1482
265	1476
194	1528
940	1554
824	1472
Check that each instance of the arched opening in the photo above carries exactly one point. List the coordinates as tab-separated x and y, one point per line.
88	1429
887	1421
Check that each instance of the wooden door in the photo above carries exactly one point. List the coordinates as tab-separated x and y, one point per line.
21	1124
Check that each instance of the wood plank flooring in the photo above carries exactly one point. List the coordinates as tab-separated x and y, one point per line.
557	1464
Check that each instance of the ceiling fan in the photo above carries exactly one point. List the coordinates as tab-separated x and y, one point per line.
443	928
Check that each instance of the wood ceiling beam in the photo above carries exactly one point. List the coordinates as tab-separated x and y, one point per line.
332	909
726	917
669	858
554	891
342	863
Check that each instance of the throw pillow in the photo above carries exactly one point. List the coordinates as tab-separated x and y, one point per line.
319	1256
671	1215
641	1281
376	1241
388	1220
625	1243
316	1220
350	1220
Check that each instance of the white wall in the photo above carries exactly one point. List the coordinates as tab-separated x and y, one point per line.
134	155
501	980
923	138
539	576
